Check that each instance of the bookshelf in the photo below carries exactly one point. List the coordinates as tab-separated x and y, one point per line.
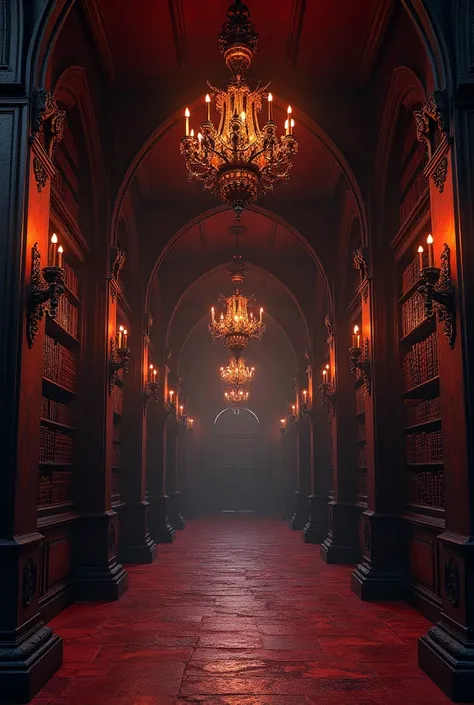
117	403
421	403
361	443
57	423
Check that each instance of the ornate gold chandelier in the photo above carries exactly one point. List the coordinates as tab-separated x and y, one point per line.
238	325
238	161
236	374
236	397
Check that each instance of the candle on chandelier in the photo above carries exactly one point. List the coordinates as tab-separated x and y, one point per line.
192	133
125	337
171	393
213	317
325	376
356	337
199	138
54	247
120	336
288	121
208	103
261	314
187	115
293	408
429	242
150	373
155	372
420	257
328	370
305	394
282	423
270	106
181	410
60	256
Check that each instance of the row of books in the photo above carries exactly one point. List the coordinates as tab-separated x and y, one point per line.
59	364
362	457
361	394
412	195
413	313
116	456
426	488
68	316
71	279
55	447
54	489
361	432
422	410
117	399
420	364
55	411
66	195
424	447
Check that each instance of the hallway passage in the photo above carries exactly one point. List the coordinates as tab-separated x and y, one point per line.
239	611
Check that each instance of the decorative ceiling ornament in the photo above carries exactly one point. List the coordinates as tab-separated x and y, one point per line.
236	374
238	325
236	397
238	161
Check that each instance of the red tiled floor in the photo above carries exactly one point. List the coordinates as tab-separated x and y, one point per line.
239	611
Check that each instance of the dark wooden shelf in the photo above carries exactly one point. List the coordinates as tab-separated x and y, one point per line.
362	467
424	465
424	514
56	514
409	293
57	424
422	389
71	295
361	501
361	440
59	333
419	332
47	464
360	413
423	424
54	388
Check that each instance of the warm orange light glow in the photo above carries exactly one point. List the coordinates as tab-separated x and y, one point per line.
429	239
429	242
192	133
54	239
187	115
60	256
356	337
243	116
270	97
356	330
208	98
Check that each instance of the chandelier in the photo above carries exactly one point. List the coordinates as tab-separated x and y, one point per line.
237	326
236	397
237	375
238	161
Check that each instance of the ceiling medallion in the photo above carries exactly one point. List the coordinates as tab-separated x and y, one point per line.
238	161
236	374
237	326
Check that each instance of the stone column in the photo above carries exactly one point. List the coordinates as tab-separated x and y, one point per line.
175	516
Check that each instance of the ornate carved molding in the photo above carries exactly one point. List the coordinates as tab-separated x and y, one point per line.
361	263
46	131
330	330
432	121
30	578
148	322
451	582
367	536
117	262
440	173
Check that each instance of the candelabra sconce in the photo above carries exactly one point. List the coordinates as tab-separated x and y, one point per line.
293	416
181	416
170	404
46	289
359	360
283	426
151	387
119	357
190	426
438	291
306	405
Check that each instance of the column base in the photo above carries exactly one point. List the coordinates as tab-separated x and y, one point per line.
28	662
341	546
380	575
98	575
175	516
161	530
315	531
300	517
137	544
448	661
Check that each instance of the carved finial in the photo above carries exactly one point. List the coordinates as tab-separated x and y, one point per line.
117	262
328	324
148	324
238	39
361	262
46	130
431	119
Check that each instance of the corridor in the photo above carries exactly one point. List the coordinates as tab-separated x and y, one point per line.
239	611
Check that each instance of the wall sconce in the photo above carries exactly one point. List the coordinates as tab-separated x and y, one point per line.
119	356
293	416
359	357
47	287
190	426
327	389
306	404
437	289
170	403
181	416
283	426
151	387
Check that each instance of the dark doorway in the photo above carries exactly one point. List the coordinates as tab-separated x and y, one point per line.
237	472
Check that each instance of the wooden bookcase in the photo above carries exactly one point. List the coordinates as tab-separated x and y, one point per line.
360	395
117	397
60	362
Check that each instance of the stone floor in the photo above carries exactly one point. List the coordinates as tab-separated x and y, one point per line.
239	611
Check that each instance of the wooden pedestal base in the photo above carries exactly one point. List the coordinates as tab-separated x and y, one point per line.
315	530
161	530
175	516
448	661
341	546
98	575
137	546
300	517
380	575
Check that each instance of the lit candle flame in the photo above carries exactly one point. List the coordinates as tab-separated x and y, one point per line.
429	240
54	239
